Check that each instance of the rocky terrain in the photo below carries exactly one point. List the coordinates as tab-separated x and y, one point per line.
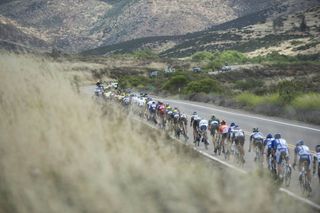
77	25
255	34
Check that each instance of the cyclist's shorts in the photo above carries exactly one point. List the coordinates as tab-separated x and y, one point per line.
213	131
258	142
269	151
224	135
203	128
279	156
239	140
307	159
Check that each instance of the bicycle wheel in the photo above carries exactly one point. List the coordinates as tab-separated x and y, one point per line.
287	178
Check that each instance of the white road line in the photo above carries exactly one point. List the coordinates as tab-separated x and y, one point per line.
244	115
220	161
316	206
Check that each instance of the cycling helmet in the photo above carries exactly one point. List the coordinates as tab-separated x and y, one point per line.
223	122
213	116
317	148
255	130
194	113
232	124
300	143
269	135
277	136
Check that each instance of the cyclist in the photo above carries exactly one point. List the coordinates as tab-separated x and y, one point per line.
280	147
256	139
238	137
176	128
268	147
183	123
230	130
223	130
195	125
303	152
203	127
316	161
213	127
152	111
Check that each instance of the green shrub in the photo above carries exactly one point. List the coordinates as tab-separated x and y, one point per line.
214	65
201	56
133	81
205	85
252	100
176	82
145	54
232	57
309	101
288	90
249	84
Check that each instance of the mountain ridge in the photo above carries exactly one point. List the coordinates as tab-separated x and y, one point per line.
78	25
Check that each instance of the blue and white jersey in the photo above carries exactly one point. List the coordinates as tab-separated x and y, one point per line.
303	150
280	145
257	136
268	142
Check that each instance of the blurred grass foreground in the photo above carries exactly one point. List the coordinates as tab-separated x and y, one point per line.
60	152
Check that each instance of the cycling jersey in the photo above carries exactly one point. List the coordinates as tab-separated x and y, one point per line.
214	124
268	142
281	147
223	129
238	133
162	109
257	136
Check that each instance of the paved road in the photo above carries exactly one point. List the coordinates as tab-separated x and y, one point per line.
290	130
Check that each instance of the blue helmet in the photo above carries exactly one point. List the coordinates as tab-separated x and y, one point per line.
300	143
269	135
277	136
232	124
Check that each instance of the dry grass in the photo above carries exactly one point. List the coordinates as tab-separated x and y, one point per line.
59	152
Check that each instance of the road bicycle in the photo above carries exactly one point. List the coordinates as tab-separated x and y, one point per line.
285	176
259	153
305	184
217	147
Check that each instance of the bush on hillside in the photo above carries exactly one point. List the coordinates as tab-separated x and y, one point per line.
201	56
287	91
145	54
176	82
206	85
232	57
249	84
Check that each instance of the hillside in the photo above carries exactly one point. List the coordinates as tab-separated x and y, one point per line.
77	25
13	36
255	34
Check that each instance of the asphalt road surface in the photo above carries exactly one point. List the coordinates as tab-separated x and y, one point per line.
290	130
